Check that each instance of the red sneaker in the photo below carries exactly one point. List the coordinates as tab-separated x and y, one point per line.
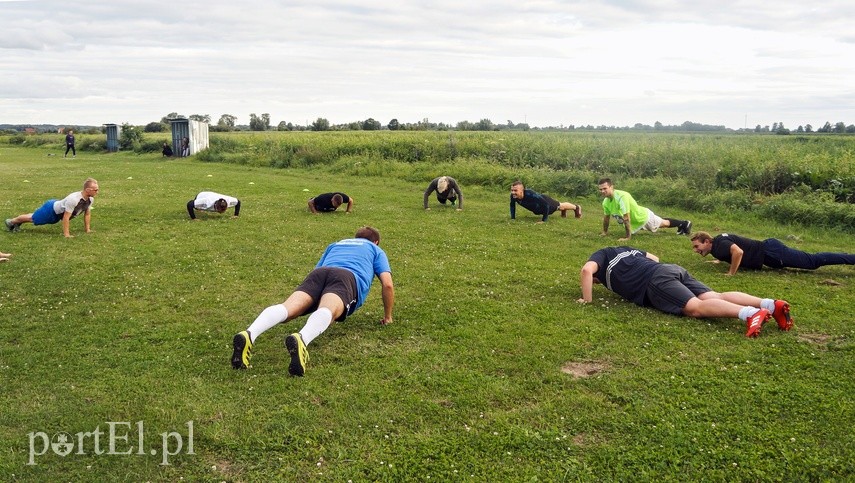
756	321
782	315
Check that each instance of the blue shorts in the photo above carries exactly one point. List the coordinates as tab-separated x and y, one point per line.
45	214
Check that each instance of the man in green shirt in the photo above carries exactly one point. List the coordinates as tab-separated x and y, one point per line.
621	205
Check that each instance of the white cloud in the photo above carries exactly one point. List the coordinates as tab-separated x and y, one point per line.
547	62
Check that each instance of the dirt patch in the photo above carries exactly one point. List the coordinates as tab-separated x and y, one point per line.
587	439
815	338
584	368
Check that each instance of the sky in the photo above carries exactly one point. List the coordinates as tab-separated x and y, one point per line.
542	62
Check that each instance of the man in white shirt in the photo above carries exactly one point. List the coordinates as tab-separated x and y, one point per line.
214	202
54	211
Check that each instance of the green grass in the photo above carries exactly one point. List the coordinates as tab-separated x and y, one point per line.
134	323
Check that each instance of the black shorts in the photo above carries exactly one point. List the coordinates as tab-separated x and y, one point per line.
671	287
552	205
337	281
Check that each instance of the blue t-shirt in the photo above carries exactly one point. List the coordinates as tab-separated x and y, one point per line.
362	257
625	271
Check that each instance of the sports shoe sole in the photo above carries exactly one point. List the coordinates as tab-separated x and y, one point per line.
782	315
298	353
242	350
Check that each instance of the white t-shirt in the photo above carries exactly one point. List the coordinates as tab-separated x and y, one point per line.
206	199
73	203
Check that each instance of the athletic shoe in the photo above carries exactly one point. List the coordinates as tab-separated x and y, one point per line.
686	229
243	350
578	211
756	321
782	315
299	354
9	225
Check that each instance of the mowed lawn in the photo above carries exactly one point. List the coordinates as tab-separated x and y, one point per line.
128	331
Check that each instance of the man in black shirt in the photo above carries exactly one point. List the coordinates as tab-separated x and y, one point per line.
539	204
327	202
744	252
638	276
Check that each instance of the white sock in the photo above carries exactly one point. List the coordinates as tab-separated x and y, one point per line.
269	317
746	312
317	323
768	304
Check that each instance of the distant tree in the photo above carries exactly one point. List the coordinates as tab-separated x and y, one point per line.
227	120
156	127
394	125
371	125
758	128
808	128
840	128
285	126
131	137
321	124
850	128
257	123
484	125
657	126
172	115
825	127
800	129
200	117
465	126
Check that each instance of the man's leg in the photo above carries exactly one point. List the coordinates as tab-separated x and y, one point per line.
779	255
294	306
566	206
330	307
749	308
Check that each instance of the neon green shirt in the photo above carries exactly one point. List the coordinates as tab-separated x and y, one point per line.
622	203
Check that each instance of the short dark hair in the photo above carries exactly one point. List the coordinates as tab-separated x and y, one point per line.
517	182
607	181
220	205
369	233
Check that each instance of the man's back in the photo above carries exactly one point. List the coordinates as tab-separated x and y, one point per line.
359	255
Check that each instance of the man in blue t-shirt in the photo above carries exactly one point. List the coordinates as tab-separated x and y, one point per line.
332	291
638	277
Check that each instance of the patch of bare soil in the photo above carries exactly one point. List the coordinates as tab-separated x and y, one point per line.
584	368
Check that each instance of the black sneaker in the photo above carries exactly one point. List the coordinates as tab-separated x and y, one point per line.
242	350
686	228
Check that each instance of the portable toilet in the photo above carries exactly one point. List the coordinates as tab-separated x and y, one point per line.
188	136
113	131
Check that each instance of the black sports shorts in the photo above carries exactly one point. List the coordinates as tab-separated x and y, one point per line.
671	287
334	280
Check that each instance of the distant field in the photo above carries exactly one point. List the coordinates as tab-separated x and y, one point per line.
133	324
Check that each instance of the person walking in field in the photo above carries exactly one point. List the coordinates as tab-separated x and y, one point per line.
744	252
54	211
539	204
214	202
638	276
69	145
328	202
447	190
621	205
333	291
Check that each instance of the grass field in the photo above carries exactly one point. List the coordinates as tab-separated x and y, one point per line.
132	324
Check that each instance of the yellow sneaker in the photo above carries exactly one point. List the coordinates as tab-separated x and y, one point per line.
299	354
243	350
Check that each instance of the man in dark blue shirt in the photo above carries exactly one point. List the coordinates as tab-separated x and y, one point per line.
638	277
539	204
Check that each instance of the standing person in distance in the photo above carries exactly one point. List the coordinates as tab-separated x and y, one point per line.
69	144
447	190
622	206
333	291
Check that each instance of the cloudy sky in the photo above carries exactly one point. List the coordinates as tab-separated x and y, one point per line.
544	62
